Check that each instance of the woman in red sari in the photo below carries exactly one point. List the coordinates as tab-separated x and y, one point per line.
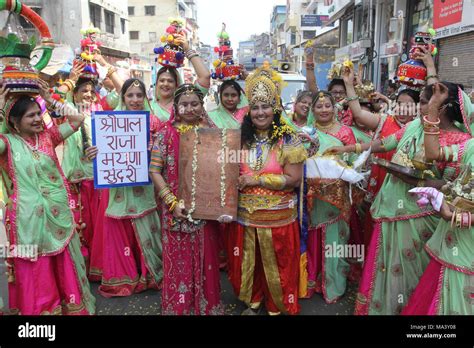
190	262
264	244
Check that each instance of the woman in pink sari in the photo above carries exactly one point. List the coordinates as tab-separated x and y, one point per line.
130	242
190	261
46	271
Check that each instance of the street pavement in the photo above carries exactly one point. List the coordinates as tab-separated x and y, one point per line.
148	303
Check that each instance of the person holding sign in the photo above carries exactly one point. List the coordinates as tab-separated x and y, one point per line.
190	263
129	242
47	273
264	245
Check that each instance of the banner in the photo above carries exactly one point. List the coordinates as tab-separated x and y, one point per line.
452	17
122	138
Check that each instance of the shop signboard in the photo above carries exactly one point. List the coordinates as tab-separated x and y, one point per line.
452	17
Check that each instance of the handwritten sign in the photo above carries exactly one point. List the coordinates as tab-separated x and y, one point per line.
122	138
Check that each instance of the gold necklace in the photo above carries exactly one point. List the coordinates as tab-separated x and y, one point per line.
184	128
325	128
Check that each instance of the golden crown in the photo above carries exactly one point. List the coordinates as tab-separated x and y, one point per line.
264	85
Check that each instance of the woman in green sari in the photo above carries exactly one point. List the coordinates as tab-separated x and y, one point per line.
168	80
46	270
232	108
76	162
329	211
396	257
446	287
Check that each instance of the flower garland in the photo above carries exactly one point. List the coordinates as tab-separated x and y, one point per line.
223	177
278	132
193	180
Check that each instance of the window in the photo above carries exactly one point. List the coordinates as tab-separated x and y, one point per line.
134	35
131	10
293	38
152	36
422	16
149	10
347	32
122	24
95	14
109	21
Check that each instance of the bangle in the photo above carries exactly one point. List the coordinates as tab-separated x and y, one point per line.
173	205
449	154
465	220
358	148
352	99
432	133
435	123
191	54
3	115
421	183
458	220
453	218
70	84
111	70
431	77
164	191
441	154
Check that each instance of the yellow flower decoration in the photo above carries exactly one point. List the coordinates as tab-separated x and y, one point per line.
284	128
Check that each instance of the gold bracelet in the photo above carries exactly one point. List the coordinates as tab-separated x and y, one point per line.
110	71
358	148
273	182
69	84
173	205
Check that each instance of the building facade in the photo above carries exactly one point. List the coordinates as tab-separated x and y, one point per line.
65	20
148	22
277	33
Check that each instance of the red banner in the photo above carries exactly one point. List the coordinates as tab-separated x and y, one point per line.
447	12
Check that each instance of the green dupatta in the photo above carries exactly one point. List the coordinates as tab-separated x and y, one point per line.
40	213
75	164
163	114
223	119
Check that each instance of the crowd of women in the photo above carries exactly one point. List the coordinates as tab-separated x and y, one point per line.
418	256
